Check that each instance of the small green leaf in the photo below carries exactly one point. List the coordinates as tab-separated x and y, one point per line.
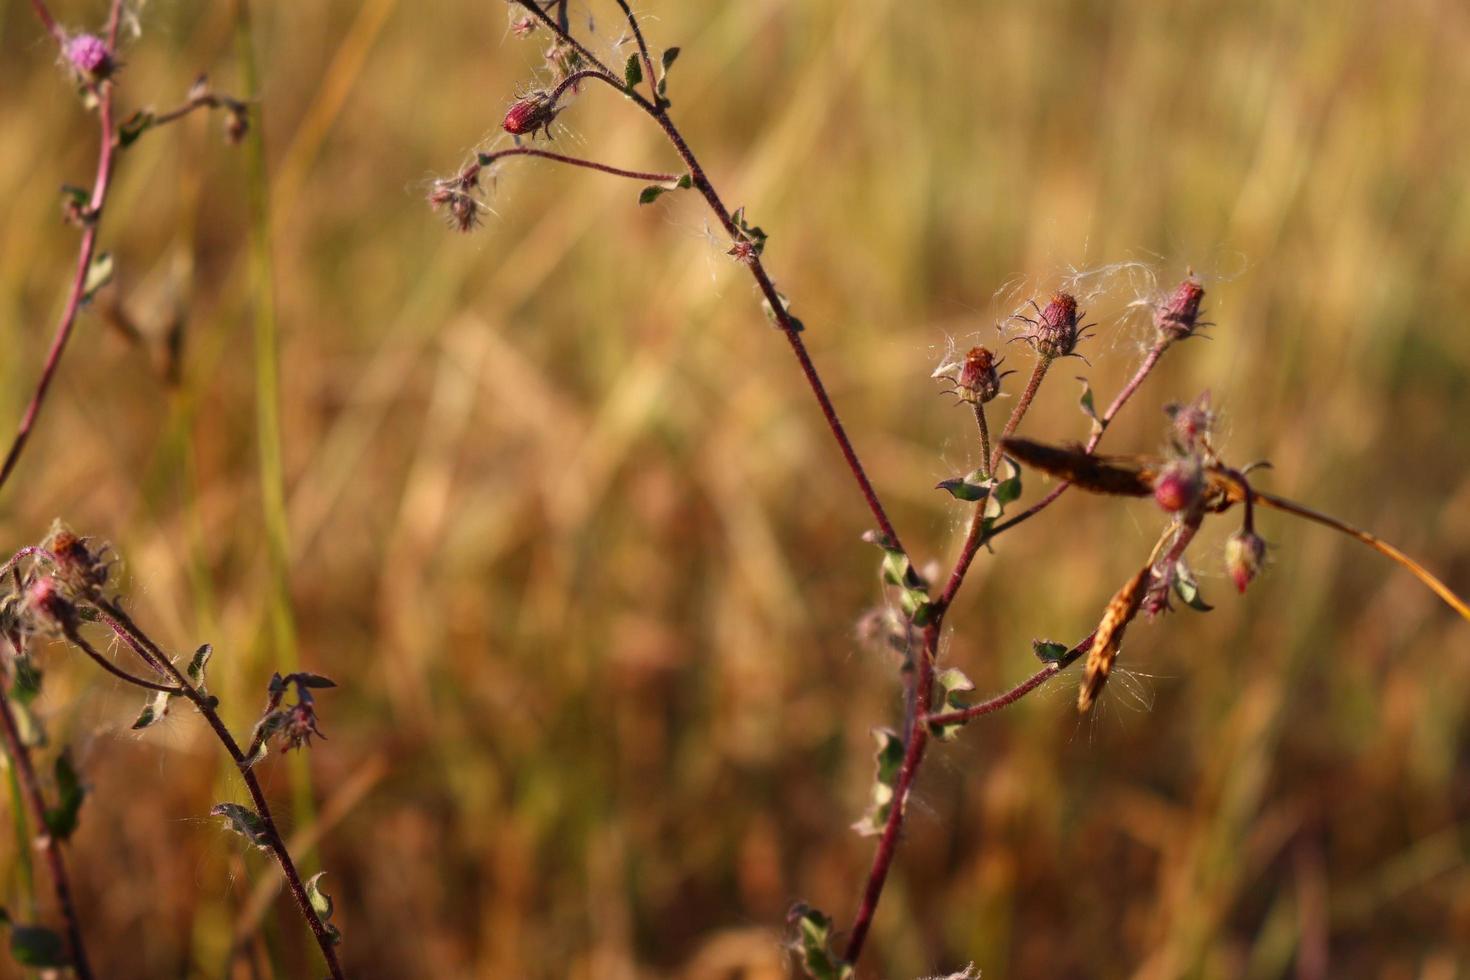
669	57
136	125
889	759
38	946
61	820
770	312
79	196
197	663
321	904
99	274
913	596
633	73
662	89
1048	652
153	711
1089	407
313	680
27	683
968	488
243	821
813	945
1187	588
955	685
653	192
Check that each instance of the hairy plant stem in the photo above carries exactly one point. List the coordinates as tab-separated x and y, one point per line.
101	184
984	427
487	159
113	616
30	786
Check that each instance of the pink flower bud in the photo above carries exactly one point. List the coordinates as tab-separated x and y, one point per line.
89	55
1055	334
45	598
1176	318
1244	554
534	112
1178	486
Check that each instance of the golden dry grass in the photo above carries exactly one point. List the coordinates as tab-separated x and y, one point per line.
566	526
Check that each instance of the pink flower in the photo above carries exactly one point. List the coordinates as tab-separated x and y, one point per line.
90	56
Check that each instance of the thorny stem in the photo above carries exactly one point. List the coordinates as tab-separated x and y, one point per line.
118	621
757	270
31	790
101	184
486	159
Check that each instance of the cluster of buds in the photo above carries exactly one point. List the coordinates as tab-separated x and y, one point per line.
1178	316
533	113
291	726
456	198
90	57
82	567
1055	331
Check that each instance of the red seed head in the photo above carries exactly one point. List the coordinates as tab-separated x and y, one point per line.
1177	317
534	112
1244	554
1056	329
978	380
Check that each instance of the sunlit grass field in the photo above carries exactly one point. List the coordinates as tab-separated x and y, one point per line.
568	530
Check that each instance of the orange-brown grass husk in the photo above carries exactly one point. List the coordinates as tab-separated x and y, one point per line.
1109	636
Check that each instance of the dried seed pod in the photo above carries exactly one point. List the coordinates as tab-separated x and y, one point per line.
1109	637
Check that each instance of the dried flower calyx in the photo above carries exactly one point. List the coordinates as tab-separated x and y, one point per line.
1055	332
531	114
1178	316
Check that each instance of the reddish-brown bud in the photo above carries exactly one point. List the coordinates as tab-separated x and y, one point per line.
1245	552
535	112
45	598
978	380
1178	486
1055	334
1178	316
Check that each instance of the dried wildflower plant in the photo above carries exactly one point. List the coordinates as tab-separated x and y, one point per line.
64	588
1192	484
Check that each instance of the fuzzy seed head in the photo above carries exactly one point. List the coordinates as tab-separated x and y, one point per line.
90	56
1055	334
1178	486
1178	316
978	381
1245	552
530	114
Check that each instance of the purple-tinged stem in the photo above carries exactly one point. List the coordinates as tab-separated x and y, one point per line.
642	50
50	846
486	159
49	22
100	186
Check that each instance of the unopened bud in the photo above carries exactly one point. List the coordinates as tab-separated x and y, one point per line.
44	597
1177	317
535	111
1055	334
1177	487
1244	554
1193	423
978	381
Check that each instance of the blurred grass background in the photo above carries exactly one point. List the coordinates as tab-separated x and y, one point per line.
567	528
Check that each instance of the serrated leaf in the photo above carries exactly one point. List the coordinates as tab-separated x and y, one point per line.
61	820
136	125
243	821
1048	652
813	945
954	685
967	488
99	274
197	663
889	759
153	711
321	904
1187	588
1089	406
38	946
633	73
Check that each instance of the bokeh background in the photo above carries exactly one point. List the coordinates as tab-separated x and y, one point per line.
565	524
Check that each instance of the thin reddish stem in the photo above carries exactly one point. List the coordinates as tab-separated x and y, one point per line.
486	159
643	51
49	22
31	789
